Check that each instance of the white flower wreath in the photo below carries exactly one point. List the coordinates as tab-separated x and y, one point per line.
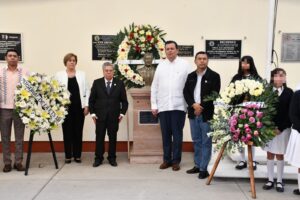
125	68
41	102
138	39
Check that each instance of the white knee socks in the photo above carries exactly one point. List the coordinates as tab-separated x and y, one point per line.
253	153
242	154
270	167
299	181
280	167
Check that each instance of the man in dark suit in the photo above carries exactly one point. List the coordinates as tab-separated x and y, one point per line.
199	84
108	105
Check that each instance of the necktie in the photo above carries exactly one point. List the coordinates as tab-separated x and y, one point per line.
278	92
108	87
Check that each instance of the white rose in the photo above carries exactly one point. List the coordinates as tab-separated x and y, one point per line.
226	100
62	109
22	104
25	120
231	94
142	40
148	33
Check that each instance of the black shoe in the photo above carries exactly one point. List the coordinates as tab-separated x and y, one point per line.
19	167
203	174
113	163
296	192
194	170
97	163
7	168
78	160
68	160
279	187
241	165
269	185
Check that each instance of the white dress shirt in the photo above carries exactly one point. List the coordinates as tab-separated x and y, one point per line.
168	83
109	81
197	91
280	90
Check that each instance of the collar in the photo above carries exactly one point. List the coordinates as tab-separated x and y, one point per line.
278	89
17	69
202	74
174	61
108	80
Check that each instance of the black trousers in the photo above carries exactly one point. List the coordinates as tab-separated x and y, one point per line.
112	128
72	132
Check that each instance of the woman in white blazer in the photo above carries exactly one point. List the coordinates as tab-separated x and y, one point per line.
78	86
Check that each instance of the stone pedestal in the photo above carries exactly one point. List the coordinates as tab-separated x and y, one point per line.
147	139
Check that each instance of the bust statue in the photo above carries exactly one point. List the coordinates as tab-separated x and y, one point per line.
148	70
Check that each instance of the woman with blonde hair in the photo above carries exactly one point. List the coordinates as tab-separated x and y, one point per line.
77	84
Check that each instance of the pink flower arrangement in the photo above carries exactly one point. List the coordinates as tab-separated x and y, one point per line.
246	125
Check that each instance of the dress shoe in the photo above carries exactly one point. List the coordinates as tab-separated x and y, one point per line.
19	167
77	160
296	192
194	170
113	163
164	165
7	168
68	160
175	167
269	185
241	165
203	174
279	187
97	163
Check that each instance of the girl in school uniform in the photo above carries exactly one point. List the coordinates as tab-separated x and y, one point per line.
246	70
277	146
293	149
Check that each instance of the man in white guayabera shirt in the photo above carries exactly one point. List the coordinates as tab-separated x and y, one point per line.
167	102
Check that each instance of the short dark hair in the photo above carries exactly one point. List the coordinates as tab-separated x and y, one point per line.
12	50
201	52
171	42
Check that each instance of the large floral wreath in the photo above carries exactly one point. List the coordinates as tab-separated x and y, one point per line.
41	102
243	114
132	44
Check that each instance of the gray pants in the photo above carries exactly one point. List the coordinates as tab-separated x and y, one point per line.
7	116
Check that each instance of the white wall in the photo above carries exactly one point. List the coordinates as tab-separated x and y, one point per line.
52	28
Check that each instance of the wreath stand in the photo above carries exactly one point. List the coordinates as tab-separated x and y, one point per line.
250	161
30	150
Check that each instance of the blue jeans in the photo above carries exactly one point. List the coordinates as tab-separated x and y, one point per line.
201	142
171	124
